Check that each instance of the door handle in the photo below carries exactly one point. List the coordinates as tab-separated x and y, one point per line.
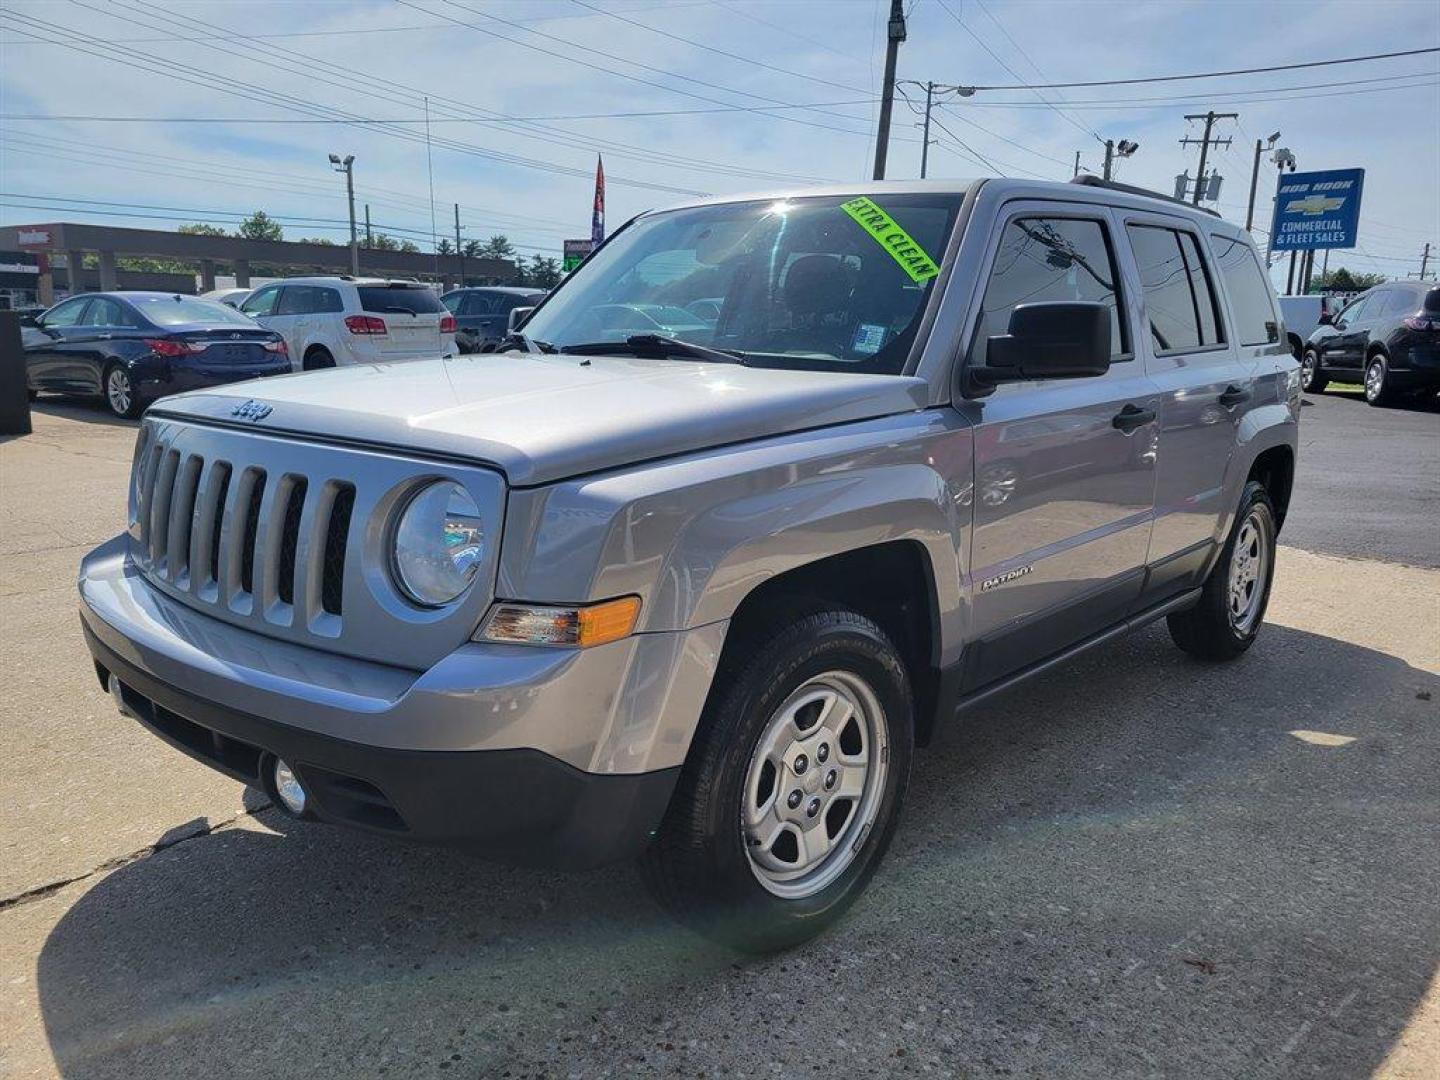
1131	417
1233	396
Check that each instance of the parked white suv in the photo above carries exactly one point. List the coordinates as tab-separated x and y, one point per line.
343	320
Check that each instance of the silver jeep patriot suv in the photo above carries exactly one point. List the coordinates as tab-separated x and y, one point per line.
761	496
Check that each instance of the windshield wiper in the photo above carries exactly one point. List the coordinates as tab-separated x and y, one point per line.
529	344
659	345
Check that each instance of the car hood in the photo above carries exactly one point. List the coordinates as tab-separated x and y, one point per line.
541	418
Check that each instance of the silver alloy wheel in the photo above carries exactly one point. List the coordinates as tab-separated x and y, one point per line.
1308	363
814	784
1249	571
1375	380
118	391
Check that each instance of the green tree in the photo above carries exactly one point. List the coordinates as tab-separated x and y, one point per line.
473	249
543	272
384	242
200	229
317	240
260	226
1343	280
497	247
406	245
444	247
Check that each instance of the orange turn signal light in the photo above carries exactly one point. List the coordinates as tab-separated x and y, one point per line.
573	627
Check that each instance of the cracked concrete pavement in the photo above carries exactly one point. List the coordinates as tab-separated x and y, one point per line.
1137	866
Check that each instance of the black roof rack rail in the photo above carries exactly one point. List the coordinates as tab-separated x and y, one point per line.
1131	189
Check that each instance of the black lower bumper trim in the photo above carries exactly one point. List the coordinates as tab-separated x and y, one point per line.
519	806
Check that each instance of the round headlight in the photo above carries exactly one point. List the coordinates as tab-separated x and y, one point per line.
439	544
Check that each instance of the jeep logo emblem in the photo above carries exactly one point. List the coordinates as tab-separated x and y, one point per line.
251	410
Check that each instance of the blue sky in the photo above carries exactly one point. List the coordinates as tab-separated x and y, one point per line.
515	87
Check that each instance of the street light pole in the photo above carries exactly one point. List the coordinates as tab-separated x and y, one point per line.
347	166
1255	181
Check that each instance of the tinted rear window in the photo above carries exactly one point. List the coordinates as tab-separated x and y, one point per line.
394	299
1250	292
180	310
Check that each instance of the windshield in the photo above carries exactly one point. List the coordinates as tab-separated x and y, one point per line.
828	283
185	310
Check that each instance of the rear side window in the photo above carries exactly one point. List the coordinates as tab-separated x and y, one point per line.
399	300
1251	301
1432	300
107	312
1402	302
308	300
1043	259
1178	298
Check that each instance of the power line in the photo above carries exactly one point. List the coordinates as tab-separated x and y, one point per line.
1209	74
711	48
1230	95
1001	61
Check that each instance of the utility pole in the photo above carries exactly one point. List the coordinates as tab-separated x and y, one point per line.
458	250
368	242
1124	148
1255	181
347	166
895	34
1077	163
1424	260
925	141
1205	142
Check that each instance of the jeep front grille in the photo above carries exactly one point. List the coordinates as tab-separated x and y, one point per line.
289	538
208	529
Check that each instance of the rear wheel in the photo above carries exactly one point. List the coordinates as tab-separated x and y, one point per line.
318	358
1377	381
1227	617
791	792
1312	381
120	395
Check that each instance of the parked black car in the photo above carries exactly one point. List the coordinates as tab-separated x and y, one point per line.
482	314
1387	337
130	348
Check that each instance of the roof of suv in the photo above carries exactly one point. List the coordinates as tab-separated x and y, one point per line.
346	279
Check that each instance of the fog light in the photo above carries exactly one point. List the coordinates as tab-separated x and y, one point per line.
289	788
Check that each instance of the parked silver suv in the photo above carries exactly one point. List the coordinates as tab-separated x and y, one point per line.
695	598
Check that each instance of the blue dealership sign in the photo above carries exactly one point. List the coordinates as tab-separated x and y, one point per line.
1317	210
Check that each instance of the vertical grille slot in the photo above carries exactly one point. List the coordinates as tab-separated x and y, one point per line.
219	488
182	518
160	498
250	522
290	539
337	534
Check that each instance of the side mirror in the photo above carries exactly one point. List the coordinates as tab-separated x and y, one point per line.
1065	340
518	315
30	320
1326	319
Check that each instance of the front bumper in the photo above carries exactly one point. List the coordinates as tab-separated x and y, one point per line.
539	756
522	806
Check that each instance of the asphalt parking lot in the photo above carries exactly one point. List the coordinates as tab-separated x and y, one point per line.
1138	866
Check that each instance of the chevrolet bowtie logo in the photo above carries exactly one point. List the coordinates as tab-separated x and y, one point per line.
251	410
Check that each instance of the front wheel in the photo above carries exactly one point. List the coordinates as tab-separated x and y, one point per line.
793	787
120	395
1312	381
1377	382
1227	617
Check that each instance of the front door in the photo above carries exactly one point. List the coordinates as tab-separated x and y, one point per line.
47	357
1346	350
1064	468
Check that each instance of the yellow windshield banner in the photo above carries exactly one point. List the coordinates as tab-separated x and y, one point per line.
905	251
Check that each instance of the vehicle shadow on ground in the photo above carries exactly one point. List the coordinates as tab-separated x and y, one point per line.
1133	867
1354	394
82	409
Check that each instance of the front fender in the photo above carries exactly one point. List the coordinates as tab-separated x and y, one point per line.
693	536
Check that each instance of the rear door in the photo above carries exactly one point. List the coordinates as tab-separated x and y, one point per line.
1064	468
1206	387
412	315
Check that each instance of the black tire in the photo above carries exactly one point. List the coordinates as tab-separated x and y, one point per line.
126	407
1209	630
317	359
1378	392
698	867
1312	378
